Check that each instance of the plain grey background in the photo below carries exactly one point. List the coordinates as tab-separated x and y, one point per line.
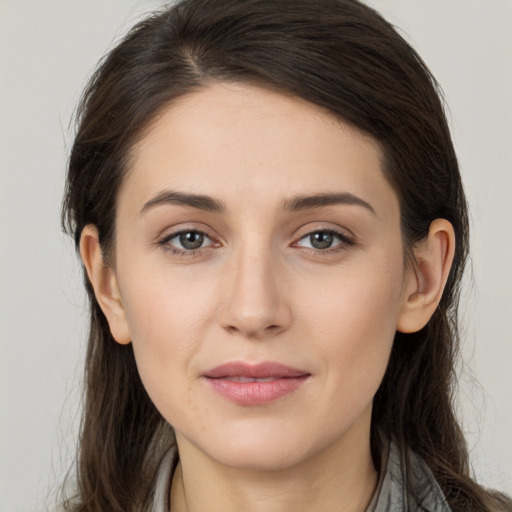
47	51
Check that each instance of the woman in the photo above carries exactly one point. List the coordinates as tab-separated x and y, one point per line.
270	215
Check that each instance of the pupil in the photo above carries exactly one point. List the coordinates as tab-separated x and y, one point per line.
321	240
191	240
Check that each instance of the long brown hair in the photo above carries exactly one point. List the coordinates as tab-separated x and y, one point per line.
344	57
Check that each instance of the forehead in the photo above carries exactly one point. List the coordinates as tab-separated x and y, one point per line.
231	141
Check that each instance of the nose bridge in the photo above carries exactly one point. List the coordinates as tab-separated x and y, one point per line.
255	304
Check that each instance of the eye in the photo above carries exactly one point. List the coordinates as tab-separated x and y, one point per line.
187	241
323	240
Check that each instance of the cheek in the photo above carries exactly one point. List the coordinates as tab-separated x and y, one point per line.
164	306
165	316
355	324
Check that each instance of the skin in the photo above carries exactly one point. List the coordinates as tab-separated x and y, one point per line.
258	290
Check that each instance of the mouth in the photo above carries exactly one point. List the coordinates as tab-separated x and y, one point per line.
250	379
250	385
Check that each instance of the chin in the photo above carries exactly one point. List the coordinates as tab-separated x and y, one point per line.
261	449
260	456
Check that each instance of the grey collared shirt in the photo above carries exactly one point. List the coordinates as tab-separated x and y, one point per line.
391	494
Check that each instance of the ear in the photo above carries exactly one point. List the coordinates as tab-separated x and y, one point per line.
104	283
426	279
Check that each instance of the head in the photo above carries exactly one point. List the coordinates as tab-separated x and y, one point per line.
337	60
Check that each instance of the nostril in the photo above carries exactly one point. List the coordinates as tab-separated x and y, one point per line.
253	331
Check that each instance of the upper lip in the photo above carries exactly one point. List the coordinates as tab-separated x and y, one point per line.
255	371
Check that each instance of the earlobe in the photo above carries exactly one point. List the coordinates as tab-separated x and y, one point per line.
424	283
104	282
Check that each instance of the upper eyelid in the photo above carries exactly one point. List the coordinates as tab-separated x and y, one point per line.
343	238
305	231
174	234
172	231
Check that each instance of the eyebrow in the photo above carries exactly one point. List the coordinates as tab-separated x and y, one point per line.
300	203
198	201
295	204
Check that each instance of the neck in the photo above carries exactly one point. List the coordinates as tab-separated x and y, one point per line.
342	478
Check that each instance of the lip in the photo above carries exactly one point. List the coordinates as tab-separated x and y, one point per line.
235	381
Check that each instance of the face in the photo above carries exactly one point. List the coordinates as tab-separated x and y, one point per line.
259	265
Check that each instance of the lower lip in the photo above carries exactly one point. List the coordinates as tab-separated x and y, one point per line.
256	393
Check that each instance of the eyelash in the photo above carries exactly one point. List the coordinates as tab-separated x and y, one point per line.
164	242
344	242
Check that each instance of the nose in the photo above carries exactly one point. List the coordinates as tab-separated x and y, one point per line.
255	301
